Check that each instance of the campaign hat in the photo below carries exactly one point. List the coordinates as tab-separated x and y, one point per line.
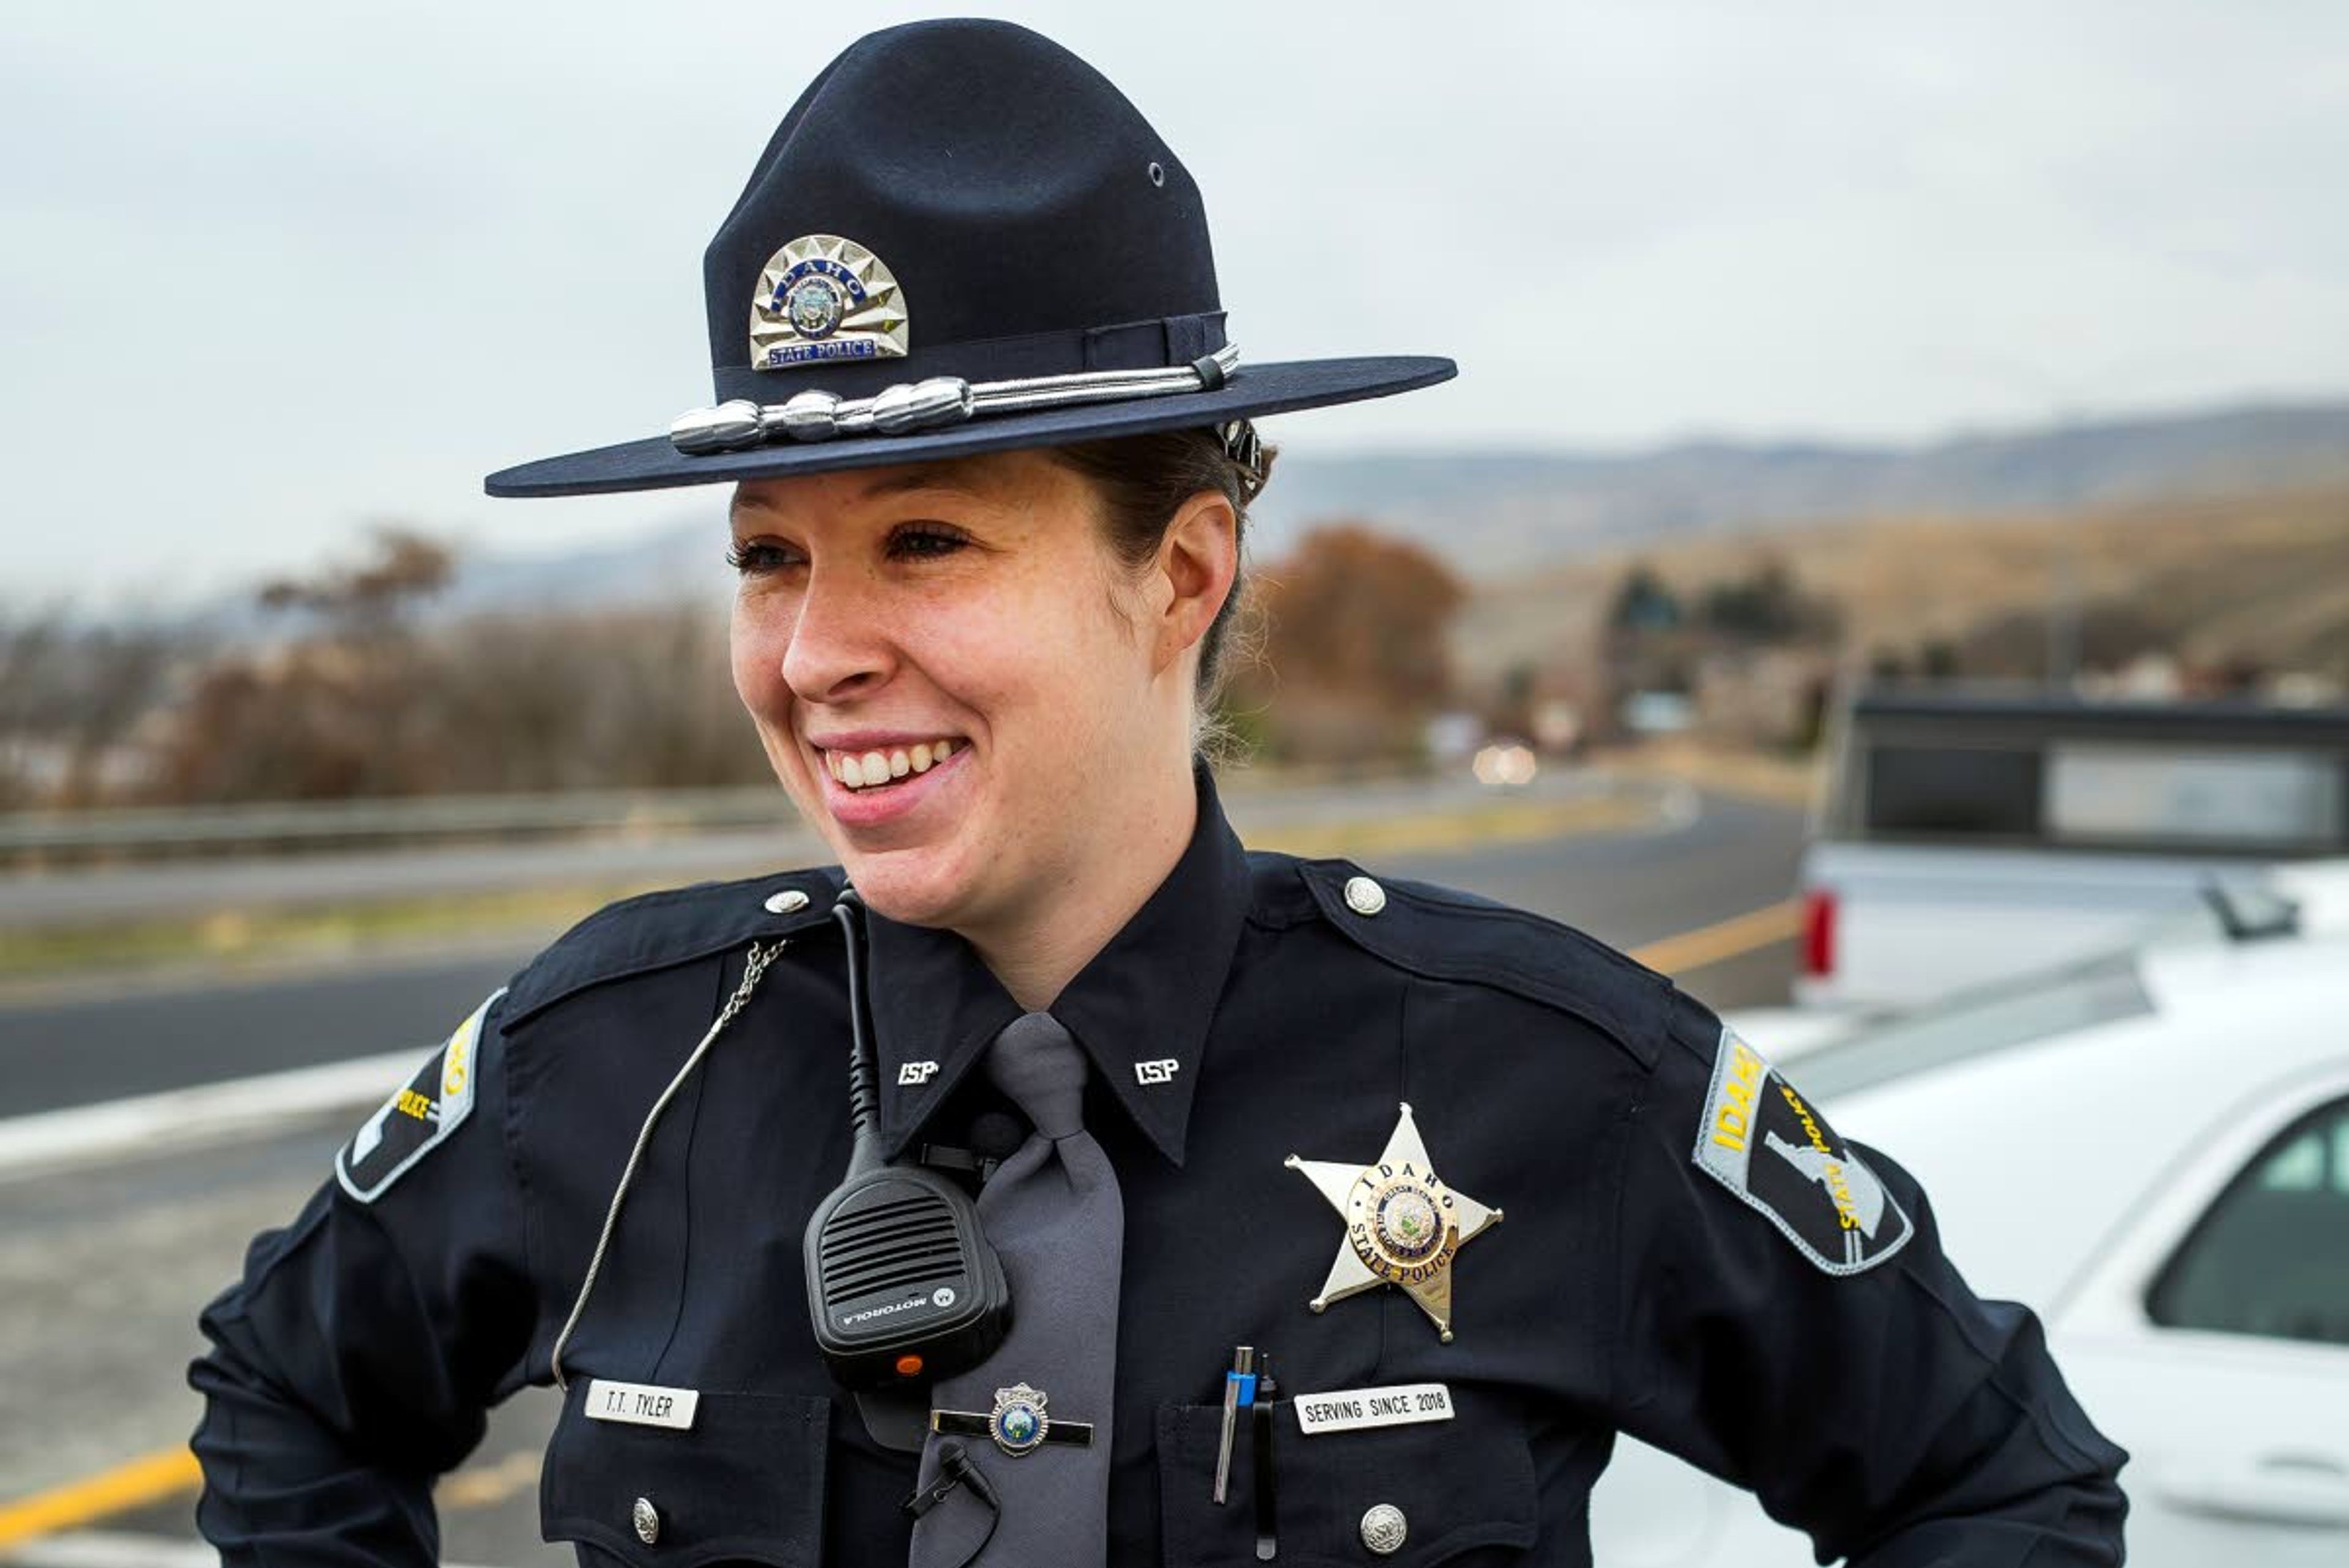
961	239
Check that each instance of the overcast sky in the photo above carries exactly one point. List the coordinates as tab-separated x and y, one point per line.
273	270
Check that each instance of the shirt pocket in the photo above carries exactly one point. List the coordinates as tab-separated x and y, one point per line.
1462	1491
744	1484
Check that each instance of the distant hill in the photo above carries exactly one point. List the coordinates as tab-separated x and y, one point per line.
2256	578
1496	512
671	561
1501	512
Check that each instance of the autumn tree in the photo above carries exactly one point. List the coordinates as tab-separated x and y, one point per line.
1355	652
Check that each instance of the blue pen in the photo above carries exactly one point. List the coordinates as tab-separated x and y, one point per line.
1239	1388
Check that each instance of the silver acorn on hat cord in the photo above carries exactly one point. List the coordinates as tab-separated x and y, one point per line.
941	401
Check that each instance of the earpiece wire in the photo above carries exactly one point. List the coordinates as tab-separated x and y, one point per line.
753	970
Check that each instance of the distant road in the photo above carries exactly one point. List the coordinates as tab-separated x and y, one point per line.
134	1038
161	889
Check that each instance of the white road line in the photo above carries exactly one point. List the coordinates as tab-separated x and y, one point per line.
210	1113
116	1549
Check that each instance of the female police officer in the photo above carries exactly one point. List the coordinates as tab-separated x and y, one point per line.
989	443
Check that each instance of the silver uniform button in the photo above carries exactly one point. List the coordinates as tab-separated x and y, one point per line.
646	1518
1364	897
1384	1526
789	901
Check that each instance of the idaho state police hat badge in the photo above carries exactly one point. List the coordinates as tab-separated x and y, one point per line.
961	239
822	299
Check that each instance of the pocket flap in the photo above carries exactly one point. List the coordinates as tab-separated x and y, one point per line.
744	1483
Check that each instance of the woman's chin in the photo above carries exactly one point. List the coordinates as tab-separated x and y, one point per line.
911	886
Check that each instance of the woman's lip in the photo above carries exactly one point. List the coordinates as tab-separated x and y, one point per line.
887	803
881	740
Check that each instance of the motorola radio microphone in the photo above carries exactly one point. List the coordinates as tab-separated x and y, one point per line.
901	1282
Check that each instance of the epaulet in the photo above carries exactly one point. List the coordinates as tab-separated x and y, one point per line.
1448	935
677	925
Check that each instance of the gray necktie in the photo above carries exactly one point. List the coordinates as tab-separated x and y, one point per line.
1053	1214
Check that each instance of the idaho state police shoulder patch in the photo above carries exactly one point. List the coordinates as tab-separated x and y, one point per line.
417	1117
1773	1148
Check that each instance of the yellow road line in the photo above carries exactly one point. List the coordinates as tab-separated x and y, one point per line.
1499	822
153	1478
486	1486
172	1471
1728	939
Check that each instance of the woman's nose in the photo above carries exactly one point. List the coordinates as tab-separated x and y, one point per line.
840	643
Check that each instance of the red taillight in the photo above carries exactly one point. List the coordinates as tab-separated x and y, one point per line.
1818	933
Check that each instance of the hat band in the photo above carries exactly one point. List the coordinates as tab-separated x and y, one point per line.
1150	344
907	409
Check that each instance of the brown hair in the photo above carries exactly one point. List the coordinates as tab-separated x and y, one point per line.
1143	480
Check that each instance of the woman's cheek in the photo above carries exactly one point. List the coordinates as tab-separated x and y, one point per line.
757	656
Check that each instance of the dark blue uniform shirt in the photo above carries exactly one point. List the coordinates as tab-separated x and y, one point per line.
1646	1279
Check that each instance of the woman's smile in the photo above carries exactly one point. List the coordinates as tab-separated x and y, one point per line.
889	783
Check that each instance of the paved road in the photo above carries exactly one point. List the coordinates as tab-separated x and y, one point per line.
101	1272
110	1038
155	889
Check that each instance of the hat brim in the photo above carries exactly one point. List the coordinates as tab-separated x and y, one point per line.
1253	390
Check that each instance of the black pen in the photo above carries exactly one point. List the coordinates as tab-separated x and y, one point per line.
1267	1541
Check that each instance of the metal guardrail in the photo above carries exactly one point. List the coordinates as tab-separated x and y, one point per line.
360	822
65	838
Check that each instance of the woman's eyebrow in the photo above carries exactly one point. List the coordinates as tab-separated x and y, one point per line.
965	476
962	474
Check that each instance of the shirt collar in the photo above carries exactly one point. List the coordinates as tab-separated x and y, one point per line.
1140	1008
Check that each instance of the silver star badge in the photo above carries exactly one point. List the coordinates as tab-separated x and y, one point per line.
1403	1226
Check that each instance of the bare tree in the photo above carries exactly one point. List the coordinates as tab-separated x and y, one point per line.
70	700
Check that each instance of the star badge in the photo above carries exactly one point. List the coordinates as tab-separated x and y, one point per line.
1403	1226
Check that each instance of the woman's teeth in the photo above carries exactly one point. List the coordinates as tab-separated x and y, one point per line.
862	771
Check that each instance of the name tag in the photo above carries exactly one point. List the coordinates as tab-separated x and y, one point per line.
1352	1409
641	1404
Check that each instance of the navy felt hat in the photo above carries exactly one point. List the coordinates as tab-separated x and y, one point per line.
961	239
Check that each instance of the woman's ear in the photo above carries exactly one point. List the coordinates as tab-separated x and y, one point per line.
1197	561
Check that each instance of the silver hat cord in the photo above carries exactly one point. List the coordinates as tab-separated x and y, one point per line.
910	408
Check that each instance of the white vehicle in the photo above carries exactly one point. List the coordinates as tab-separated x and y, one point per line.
1966	839
2151	1150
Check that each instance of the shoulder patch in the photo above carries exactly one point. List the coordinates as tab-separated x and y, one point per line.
416	1120
1765	1143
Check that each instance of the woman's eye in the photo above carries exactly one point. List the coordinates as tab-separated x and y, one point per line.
925	539
755	558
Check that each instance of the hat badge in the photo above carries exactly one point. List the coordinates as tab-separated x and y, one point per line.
822	299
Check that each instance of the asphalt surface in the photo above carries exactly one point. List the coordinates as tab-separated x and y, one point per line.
104	1038
154	890
102	1271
